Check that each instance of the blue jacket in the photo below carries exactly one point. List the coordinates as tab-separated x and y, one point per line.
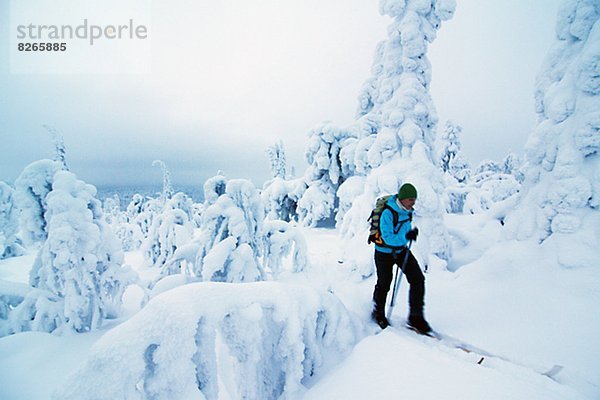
386	227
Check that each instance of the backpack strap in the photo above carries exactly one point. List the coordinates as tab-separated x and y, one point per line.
397	225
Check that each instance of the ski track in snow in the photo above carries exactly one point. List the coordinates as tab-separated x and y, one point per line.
395	364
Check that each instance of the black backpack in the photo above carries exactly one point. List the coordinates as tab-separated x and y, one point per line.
374	232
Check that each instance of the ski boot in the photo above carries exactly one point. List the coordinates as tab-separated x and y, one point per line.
380	319
419	324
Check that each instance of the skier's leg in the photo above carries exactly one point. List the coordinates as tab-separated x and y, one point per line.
384	264
415	278
416	295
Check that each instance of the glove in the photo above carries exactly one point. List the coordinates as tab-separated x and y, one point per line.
412	234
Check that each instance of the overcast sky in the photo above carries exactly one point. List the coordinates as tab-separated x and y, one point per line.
229	78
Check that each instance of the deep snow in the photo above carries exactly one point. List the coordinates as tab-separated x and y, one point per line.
511	300
519	281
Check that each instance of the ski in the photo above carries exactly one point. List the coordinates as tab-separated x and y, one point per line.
447	340
457	345
482	355
431	333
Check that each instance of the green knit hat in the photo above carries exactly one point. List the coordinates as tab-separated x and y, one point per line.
407	191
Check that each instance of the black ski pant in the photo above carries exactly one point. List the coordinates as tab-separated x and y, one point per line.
384	263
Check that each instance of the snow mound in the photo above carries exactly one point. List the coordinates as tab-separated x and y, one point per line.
262	340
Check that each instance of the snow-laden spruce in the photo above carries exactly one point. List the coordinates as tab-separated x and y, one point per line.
167	190
183	202
213	188
280	198
171	228
129	234
448	152
235	243
324	174
396	130
31	188
490	184
77	274
137	226
454	166
9	225
281	239
561	197
60	149
111	210
184	259
261	340
277	160
141	211
229	243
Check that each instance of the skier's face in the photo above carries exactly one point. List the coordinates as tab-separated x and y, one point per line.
408	203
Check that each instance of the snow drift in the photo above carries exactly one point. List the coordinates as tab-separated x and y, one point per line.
261	340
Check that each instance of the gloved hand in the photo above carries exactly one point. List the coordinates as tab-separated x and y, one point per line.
412	234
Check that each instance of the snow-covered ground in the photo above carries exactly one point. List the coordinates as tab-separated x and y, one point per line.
510	299
227	300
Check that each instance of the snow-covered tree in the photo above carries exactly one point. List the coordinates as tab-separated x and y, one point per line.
183	202
513	165
457	183
311	198
79	265
358	155
197	211
129	234
9	224
59	146
277	160
167	189
111	209
170	229
449	153
141	211
281	196
135	206
347	193
324	174
316	204
213	188
230	244
455	167
492	183
487	189
235	243
448	144
281	239
487	168
561	195
31	188
397	125
460	169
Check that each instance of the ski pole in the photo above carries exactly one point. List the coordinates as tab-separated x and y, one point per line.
398	279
